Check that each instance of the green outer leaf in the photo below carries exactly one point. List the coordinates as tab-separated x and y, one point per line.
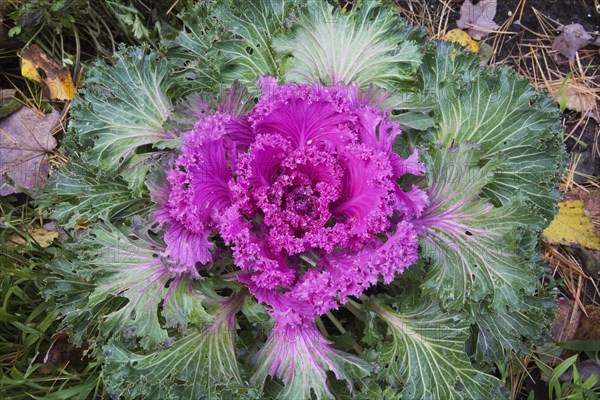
254	25
477	251
135	171
501	333
114	281
367	46
70	287
123	107
183	307
199	63
411	110
374	391
78	192
427	355
228	41
502	114
128	267
200	365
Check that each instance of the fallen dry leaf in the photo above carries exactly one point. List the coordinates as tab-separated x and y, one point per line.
572	38
591	207
589	328
479	18
577	96
25	140
461	37
572	226
62	353
56	79
42	236
585	369
566	321
52	226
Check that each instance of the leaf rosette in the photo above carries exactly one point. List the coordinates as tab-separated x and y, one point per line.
337	199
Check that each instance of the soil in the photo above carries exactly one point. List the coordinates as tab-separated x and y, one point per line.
563	11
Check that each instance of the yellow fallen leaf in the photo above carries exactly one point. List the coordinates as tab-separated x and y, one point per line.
43	237
461	37
36	65
572	226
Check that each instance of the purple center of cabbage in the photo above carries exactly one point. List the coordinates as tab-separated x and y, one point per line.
303	189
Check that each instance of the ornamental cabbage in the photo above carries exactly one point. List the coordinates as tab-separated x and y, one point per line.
304	190
289	195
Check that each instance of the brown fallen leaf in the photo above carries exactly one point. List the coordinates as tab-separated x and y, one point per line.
572	38
585	369
56	79
62	353
479	18
589	328
577	96
566	321
25	141
591	206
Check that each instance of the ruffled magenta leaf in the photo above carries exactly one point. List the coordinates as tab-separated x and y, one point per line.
266	155
206	168
187	247
197	189
365	192
285	111
343	275
313	192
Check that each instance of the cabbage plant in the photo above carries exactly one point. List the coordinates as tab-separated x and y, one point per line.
290	200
